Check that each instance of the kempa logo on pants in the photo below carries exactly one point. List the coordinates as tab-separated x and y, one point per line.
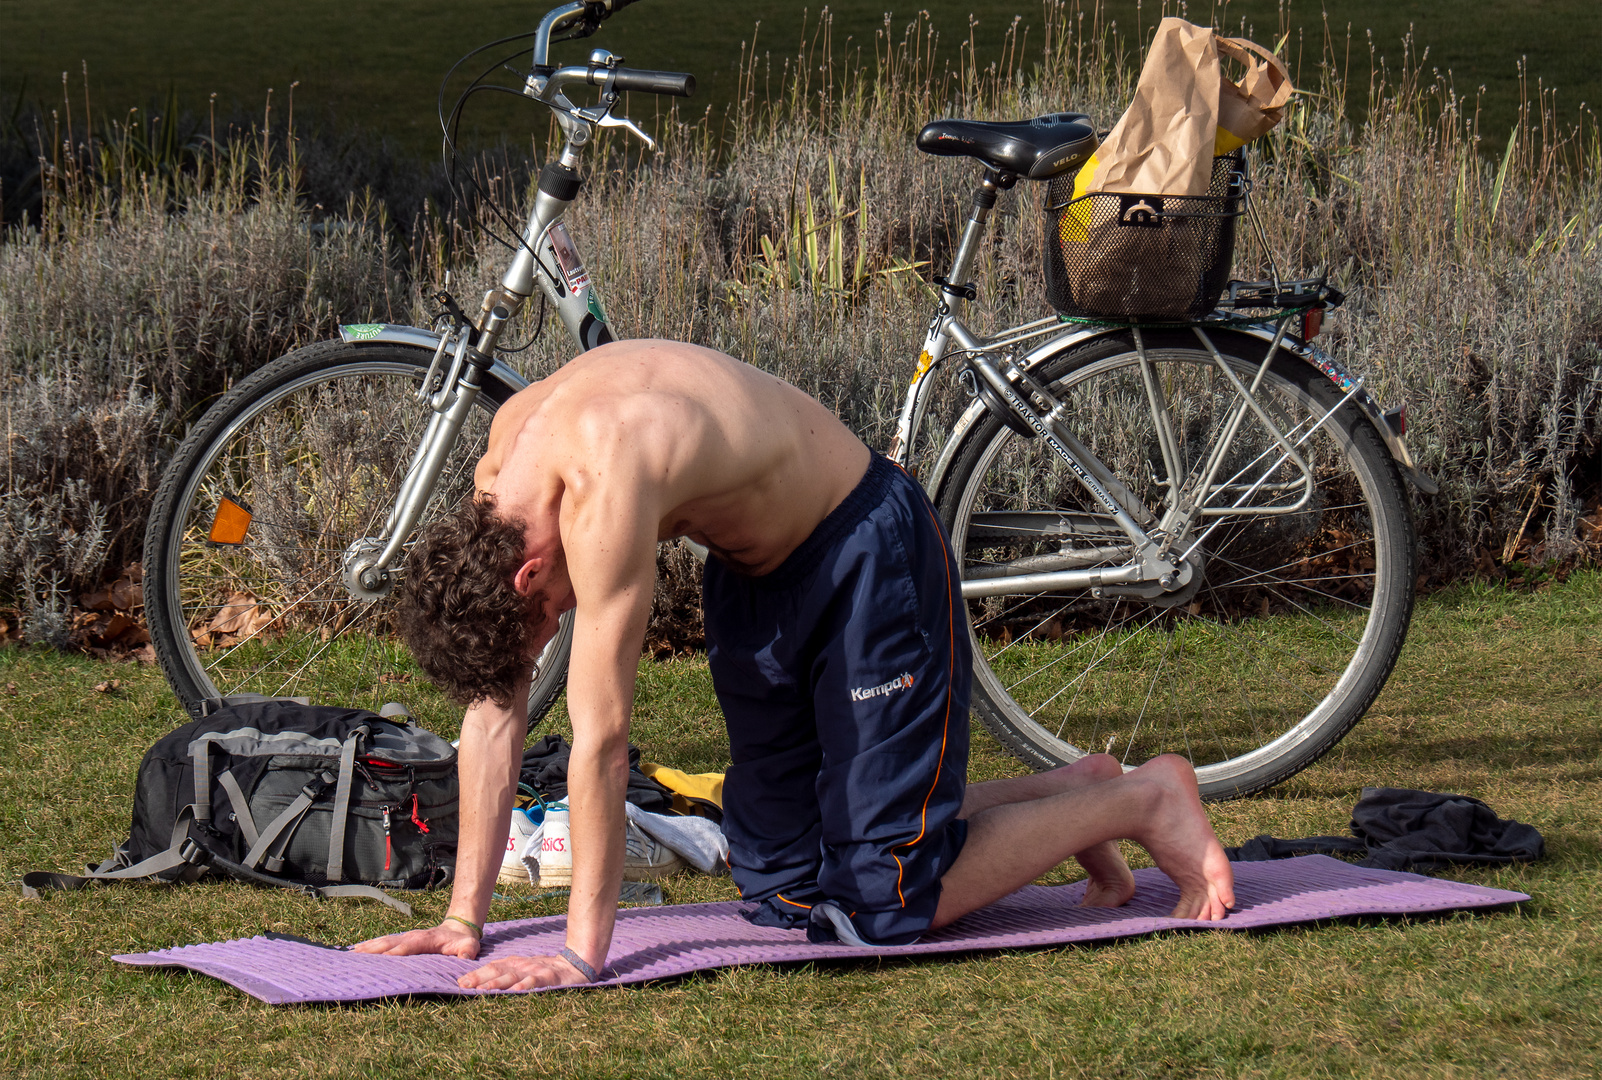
900	682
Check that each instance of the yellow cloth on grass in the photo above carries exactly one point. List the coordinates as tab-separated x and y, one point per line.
688	788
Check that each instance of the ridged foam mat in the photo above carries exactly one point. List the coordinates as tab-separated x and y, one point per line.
663	942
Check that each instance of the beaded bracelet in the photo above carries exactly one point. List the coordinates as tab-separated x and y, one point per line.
581	964
478	931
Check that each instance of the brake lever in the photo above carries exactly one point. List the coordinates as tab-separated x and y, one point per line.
608	120
601	114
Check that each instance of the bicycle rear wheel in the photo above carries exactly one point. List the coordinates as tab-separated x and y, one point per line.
1285	635
314	446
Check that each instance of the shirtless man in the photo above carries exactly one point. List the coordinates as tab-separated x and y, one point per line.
837	648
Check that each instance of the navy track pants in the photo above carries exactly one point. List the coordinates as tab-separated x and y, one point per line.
844	678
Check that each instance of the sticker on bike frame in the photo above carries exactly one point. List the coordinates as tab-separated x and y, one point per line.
595	305
361	331
567	255
230	523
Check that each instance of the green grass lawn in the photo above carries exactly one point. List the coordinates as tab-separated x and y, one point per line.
1496	696
378	65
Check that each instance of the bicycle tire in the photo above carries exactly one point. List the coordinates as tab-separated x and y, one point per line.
1275	650
315	444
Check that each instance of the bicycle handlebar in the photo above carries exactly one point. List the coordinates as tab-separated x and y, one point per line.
578	18
672	83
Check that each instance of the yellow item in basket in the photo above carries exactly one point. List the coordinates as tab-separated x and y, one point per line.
1074	226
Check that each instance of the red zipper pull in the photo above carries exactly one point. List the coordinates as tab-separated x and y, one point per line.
422	826
386	837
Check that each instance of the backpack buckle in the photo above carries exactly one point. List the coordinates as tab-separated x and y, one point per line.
318	784
192	853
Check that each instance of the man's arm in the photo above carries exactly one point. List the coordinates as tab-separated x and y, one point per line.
610	514
489	758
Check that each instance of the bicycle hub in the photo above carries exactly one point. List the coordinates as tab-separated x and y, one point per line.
365	579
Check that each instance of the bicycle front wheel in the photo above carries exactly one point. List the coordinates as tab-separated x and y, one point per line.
1302	587
314	447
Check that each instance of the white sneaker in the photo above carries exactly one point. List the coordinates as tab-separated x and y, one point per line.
551	852
513	872
554	861
645	858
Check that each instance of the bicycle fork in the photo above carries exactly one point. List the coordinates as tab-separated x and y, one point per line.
548	258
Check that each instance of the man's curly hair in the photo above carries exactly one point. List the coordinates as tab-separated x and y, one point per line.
464	622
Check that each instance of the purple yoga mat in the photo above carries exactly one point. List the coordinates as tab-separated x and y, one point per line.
659	943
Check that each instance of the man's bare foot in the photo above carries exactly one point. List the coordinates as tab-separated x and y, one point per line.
1182	842
1111	884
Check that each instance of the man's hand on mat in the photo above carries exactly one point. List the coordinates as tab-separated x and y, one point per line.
448	939
522	973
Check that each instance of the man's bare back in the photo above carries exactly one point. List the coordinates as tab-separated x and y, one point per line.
736	459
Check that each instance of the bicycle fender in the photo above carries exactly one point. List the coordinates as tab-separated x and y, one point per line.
396	334
1336	373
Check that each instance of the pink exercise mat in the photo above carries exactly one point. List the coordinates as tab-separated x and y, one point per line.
663	942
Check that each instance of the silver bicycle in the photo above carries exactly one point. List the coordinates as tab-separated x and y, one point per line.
1185	532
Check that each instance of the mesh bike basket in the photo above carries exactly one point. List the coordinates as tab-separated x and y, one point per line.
1156	257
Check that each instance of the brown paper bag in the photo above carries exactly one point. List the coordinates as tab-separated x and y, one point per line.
1255	105
1185	111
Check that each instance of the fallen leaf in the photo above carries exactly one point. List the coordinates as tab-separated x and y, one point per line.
145	654
117	626
242	616
107	687
11	688
125	595
97	601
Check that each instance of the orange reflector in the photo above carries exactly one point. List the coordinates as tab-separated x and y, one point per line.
230	524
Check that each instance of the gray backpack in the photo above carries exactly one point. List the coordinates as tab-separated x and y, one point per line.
331	801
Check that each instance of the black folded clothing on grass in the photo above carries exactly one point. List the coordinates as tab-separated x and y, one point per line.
545	770
1403	829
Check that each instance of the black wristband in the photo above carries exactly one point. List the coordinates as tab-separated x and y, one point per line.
582	964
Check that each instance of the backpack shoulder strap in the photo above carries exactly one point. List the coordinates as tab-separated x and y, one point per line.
335	870
181	852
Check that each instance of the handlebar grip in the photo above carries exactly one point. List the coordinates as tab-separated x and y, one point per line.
615	6
673	83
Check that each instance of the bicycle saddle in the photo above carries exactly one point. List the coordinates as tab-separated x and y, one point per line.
1036	149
